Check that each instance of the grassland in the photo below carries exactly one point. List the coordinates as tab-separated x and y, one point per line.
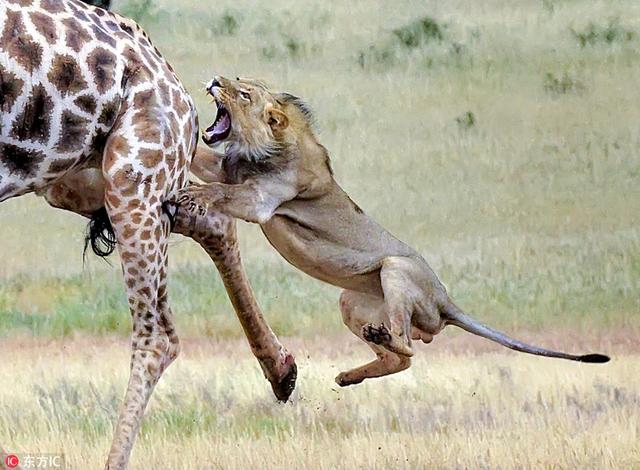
499	138
448	411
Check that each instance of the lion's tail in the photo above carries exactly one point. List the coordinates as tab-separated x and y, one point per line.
457	317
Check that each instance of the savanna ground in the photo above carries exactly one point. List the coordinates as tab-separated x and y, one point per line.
498	138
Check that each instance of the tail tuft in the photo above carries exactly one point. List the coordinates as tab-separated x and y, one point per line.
594	358
100	234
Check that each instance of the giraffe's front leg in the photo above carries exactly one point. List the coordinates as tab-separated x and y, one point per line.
216	233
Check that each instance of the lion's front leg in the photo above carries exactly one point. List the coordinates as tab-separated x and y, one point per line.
254	200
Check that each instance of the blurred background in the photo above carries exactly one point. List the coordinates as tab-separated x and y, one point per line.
498	138
501	139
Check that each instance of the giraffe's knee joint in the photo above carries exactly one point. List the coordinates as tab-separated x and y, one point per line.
158	352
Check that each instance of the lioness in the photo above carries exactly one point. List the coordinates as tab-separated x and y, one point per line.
280	177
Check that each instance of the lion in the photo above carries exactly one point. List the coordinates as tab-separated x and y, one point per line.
279	176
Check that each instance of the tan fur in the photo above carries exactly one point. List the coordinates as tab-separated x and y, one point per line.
391	294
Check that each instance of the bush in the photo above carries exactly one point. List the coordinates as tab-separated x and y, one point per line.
609	34
562	85
419	33
466	121
226	25
423	40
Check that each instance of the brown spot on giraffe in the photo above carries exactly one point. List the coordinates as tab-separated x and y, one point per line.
165	94
22	3
150	158
76	36
82	16
60	166
102	64
102	36
86	103
34	121
10	89
127	29
45	26
65	75
52	6
109	113
147	128
19	44
73	133
21	162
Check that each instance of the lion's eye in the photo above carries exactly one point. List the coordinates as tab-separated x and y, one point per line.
245	96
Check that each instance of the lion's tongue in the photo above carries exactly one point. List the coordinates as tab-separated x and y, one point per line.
220	126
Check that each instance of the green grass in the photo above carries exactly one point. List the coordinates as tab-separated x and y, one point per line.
498	138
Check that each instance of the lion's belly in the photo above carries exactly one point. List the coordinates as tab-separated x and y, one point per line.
319	258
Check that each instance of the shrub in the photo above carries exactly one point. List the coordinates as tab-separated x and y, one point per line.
563	85
466	120
419	32
593	34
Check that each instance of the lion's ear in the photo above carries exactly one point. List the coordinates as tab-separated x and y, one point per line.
277	120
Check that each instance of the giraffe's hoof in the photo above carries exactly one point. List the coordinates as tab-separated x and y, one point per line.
376	334
284	387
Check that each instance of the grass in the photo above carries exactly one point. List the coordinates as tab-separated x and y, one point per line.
498	138
448	411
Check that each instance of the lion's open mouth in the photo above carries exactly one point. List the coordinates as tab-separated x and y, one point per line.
221	127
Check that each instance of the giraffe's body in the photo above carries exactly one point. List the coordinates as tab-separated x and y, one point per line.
76	78
91	117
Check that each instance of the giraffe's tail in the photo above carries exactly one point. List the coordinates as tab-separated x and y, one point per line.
100	235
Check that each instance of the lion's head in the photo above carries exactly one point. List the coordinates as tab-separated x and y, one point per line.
254	122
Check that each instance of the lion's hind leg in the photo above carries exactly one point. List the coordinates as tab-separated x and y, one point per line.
398	277
359	310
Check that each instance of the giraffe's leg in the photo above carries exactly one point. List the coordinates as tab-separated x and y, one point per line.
142	232
83	193
359	310
216	233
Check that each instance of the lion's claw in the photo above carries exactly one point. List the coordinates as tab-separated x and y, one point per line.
194	203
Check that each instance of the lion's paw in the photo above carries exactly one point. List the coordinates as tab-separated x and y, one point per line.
376	334
344	380
193	201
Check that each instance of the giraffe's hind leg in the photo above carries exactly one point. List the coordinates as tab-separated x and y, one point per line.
133	201
359	310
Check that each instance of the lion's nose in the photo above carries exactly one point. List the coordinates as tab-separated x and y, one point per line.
214	83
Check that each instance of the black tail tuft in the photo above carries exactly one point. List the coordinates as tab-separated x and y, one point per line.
100	234
594	358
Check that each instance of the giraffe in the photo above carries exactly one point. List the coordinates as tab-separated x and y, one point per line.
93	119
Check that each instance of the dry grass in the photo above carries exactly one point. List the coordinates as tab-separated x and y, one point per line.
214	410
